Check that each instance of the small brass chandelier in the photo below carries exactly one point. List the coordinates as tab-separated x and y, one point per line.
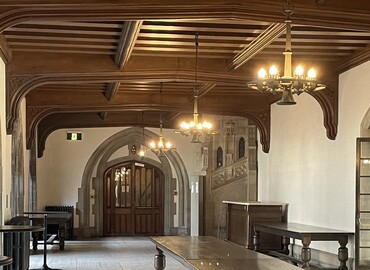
287	84
161	145
195	128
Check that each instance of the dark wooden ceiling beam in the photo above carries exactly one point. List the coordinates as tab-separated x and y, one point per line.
257	45
5	52
59	120
206	88
112	89
129	34
354	60
128	37
342	14
103	115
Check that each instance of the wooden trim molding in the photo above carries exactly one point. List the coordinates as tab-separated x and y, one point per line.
19	86
353	61
337	14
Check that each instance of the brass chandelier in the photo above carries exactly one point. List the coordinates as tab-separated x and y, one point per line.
289	83
195	128
161	145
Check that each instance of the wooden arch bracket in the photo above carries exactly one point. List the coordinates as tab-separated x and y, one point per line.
262	119
328	100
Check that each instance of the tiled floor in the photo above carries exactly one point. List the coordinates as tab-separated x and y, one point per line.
116	253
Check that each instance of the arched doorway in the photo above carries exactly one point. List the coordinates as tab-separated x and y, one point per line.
89	207
133	200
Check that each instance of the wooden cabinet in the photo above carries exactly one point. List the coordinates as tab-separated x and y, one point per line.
242	215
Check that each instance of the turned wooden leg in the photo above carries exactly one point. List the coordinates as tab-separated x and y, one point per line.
61	235
159	260
256	240
306	252
35	236
286	242
343	254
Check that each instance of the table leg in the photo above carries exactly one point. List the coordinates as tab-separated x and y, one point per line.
35	238
159	260
45	266
286	242
61	236
306	252
256	240
343	254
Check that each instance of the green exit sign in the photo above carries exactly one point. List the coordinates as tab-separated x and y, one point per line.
74	136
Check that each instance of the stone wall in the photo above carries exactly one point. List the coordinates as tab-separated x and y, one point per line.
231	168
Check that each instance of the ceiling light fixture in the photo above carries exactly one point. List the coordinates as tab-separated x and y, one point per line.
195	128
161	145
289	83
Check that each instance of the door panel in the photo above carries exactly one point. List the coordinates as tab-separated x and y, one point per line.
133	200
362	235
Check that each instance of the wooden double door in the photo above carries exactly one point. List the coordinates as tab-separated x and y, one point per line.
133	200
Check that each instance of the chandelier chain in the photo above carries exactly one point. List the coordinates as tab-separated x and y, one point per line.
196	91
160	109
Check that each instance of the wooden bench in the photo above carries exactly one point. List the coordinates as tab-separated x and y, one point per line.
207	252
306	234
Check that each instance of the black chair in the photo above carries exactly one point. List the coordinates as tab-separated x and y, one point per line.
17	246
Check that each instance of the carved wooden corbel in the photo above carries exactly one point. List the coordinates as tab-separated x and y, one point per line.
34	115
15	91
328	100
262	119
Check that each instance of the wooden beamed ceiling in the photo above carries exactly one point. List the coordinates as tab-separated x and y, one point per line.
101	64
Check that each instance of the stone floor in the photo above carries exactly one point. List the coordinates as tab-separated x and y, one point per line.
114	253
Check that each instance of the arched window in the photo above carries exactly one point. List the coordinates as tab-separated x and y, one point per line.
241	147
220	159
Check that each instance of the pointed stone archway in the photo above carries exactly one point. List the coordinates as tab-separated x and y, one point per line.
90	203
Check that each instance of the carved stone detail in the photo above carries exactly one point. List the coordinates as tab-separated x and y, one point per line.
34	111
228	174
15	82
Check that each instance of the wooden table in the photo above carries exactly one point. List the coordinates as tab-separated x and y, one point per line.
207	252
16	252
306	234
53	217
44	217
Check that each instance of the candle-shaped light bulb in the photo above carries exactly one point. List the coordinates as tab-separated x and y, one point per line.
273	71
262	73
152	144
311	74
168	145
299	71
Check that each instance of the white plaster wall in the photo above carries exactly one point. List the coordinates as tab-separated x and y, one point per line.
263	173
60	170
5	147
315	175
